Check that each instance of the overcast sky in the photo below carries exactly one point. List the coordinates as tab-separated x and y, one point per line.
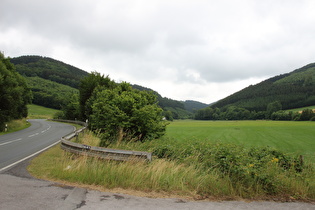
185	50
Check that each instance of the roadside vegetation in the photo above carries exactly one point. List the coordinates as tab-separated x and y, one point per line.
202	164
16	125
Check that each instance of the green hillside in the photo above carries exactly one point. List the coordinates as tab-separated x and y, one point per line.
292	90
50	69
53	83
50	94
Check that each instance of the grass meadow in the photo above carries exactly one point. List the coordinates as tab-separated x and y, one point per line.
201	160
40	112
288	136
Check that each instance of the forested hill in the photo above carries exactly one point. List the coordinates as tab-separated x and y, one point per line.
292	90
53	84
50	69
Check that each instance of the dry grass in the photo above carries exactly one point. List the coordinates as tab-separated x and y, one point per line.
88	138
159	177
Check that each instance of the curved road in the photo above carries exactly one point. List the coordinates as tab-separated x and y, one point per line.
17	146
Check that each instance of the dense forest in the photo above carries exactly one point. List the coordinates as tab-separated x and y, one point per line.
50	94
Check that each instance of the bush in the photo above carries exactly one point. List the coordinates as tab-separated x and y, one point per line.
59	115
126	114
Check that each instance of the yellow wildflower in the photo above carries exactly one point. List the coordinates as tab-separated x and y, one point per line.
275	160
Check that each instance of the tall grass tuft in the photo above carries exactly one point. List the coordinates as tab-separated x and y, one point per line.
88	138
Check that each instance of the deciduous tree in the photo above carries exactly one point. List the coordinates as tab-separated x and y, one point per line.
14	93
124	113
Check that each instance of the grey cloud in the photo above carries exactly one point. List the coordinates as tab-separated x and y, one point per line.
180	41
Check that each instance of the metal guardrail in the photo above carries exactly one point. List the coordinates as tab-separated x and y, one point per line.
100	152
104	153
70	121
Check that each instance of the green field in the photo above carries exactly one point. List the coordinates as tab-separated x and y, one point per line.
40	112
288	136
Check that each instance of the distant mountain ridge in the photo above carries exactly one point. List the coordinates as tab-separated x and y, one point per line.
292	90
189	105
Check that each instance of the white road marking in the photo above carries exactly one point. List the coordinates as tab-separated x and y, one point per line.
4	168
9	142
35	134
46	129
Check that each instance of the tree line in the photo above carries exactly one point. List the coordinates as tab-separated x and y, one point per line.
273	112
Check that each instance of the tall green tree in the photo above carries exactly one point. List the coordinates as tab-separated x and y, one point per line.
71	110
124	113
14	93
87	86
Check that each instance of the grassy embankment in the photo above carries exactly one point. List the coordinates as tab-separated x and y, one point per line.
203	159
16	125
34	112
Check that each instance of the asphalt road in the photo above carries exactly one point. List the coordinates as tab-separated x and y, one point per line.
17	146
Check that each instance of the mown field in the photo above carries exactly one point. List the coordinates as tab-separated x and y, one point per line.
288	136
